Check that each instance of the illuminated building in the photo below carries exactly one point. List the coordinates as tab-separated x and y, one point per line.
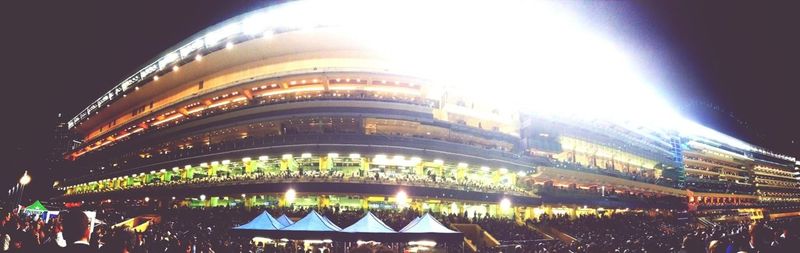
257	113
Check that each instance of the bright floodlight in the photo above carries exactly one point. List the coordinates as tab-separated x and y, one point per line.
505	204
25	179
401	198
146	199
538	56
202	197
290	196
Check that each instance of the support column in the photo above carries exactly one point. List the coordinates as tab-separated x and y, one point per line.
324	201
249	167
364	166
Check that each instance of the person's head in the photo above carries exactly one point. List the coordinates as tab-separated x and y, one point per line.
692	245
716	246
75	225
758	235
121	240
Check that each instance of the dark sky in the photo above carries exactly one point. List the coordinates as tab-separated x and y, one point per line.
734	61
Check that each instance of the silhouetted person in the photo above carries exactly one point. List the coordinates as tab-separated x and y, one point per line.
692	244
76	232
122	240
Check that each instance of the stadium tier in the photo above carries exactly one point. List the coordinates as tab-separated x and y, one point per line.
258	114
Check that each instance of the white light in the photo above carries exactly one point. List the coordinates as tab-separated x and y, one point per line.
175	68
416	159
25	179
439	162
305	155
163	170
355	156
203	164
503	170
255	24
229	45
505	204
173	197
246	159
263	158
401	198
146	199
333	155
202	197
380	157
198	57
286	156
521	173
214	37
176	169
226	162
463	165
290	196
214	163
268	34
484	168
155	78
399	158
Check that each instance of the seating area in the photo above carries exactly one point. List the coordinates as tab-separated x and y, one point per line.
317	176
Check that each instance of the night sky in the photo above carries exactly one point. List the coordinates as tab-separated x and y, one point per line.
734	63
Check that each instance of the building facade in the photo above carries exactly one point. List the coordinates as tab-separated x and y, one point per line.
247	113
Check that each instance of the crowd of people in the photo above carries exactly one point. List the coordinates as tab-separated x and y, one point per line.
377	177
635	174
641	232
206	230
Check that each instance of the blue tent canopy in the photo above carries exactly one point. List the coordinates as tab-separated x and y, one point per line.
285	221
313	222
331	223
414	221
426	224
369	227
369	224
263	221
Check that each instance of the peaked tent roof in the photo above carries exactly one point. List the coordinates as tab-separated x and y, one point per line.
285	221
414	221
312	222
331	223
263	221
369	224
427	224
36	207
